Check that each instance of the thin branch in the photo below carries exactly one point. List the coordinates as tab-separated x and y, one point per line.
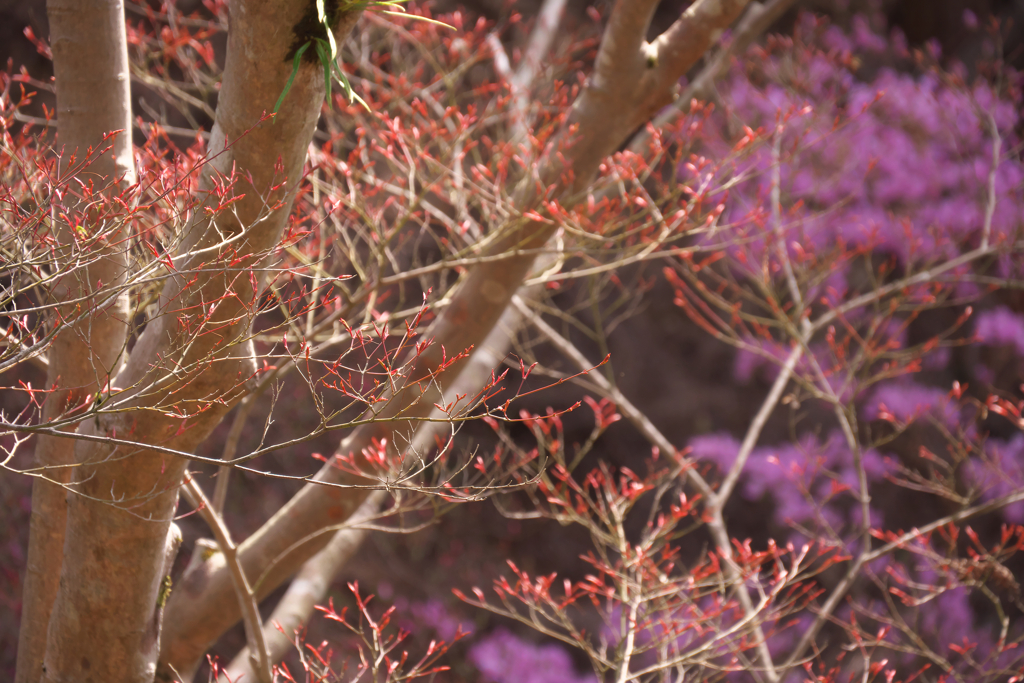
144	126
541	39
961	516
246	597
714	502
990	206
780	236
309	588
918	278
760	419
220	492
38	359
839	592
311	585
866	555
757	19
522	78
520	102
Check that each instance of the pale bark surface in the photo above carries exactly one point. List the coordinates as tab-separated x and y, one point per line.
90	56
632	80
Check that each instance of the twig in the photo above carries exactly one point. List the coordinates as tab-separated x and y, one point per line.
38	359
839	592
311	584
144	126
849	429
503	65
757	425
780	237
309	588
543	35
920	278
519	82
962	515
714	502
758	18
990	206
220	491
246	598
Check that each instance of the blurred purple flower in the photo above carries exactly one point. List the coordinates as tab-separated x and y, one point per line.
430	614
907	401
949	620
719	448
999	473
1001	327
503	657
809	482
905	171
435	614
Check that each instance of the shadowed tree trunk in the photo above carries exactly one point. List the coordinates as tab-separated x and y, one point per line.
119	536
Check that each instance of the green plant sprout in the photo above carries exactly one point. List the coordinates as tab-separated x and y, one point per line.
327	50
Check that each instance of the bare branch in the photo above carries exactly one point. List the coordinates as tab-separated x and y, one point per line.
757	19
309	588
39	361
598	125
259	656
990	205
220	492
539	44
714	501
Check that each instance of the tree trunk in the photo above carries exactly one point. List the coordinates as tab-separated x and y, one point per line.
106	621
89	56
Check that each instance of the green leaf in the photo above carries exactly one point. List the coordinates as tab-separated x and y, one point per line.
327	51
361	101
291	79
343	79
325	62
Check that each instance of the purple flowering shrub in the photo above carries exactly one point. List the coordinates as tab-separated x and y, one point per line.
859	257
999	471
504	657
899	163
1001	327
811	483
859	183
